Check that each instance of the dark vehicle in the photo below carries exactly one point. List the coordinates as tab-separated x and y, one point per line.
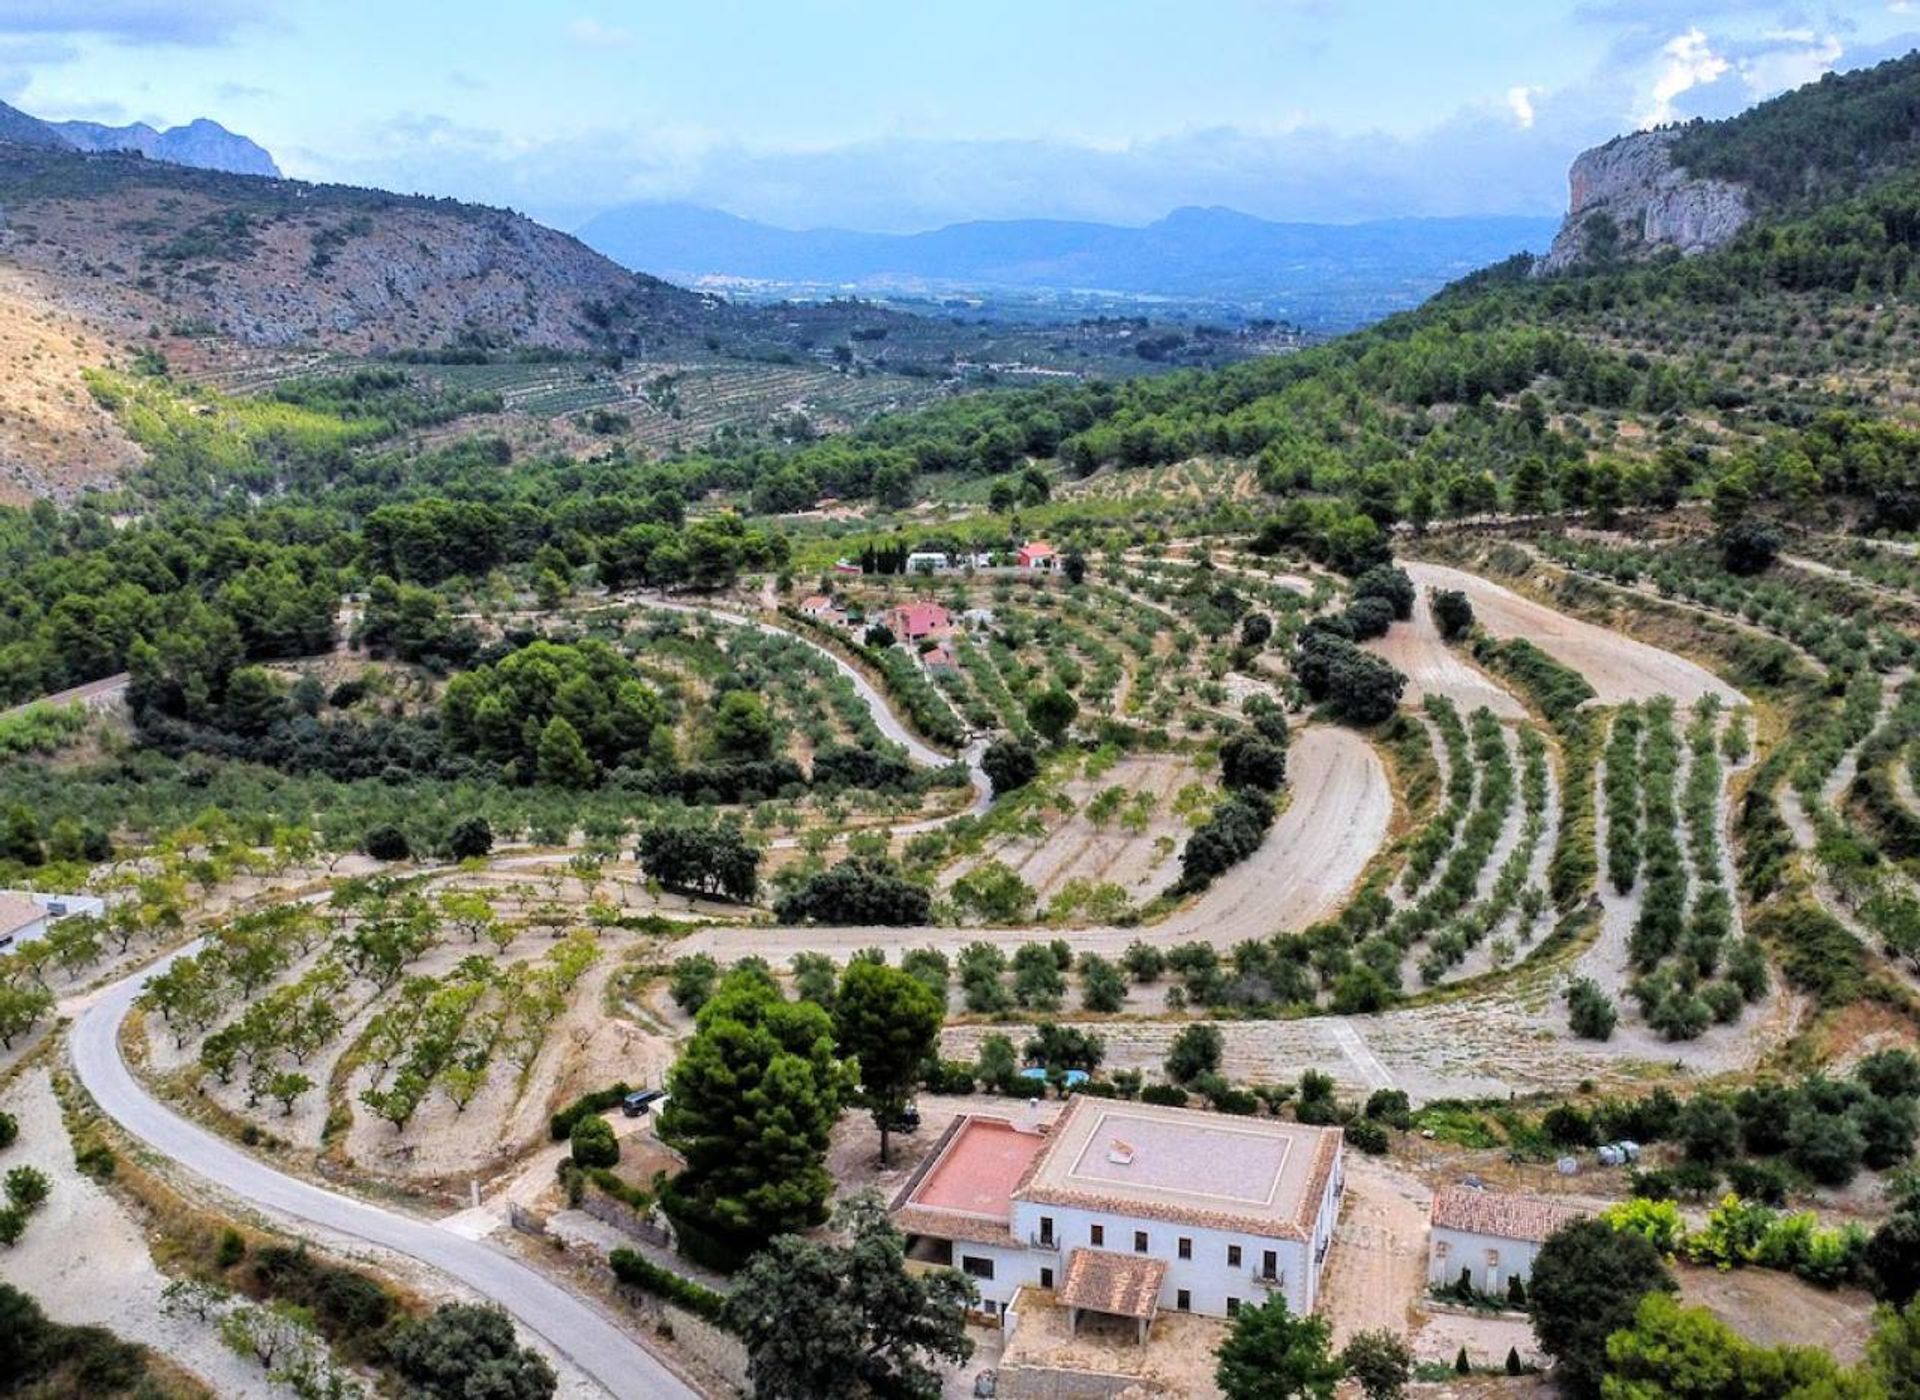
907	1120
641	1101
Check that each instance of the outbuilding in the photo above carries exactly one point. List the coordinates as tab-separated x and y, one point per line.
1490	1237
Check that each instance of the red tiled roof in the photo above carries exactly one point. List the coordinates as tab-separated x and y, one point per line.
1497	1213
964	1188
17	911
1122	1285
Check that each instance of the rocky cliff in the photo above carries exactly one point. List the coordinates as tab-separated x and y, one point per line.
1629	199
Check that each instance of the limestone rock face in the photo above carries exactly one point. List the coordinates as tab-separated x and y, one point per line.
1653	203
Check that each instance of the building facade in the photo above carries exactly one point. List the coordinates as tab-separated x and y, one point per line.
1203	1211
27	914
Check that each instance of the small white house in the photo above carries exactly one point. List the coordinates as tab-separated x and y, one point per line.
26	914
1492	1237
928	561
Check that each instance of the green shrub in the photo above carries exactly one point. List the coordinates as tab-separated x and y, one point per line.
593	1142
637	1271
560	1126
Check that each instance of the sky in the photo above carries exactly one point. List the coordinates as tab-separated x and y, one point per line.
905	114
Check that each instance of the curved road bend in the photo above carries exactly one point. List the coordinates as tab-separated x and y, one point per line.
571	1325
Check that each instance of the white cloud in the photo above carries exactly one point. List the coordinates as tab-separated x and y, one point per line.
1801	58
1687	61
592	34
1520	103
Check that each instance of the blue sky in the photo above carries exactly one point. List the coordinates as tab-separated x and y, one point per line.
907	114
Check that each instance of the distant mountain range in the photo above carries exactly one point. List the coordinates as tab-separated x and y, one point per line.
201	143
1193	254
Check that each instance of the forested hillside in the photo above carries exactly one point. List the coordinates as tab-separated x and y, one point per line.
1773	370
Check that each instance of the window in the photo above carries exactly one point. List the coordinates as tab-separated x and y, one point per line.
975	1267
1183	1301
1270	1265
1139	1241
1046	1278
1439	1249
1046	1229
1233	1256
1233	1307
1097	1234
1186	1247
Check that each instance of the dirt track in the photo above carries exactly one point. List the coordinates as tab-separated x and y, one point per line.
1434	668
1337	814
1617	667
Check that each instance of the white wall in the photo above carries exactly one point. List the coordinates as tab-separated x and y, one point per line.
1450	1251
26	933
1206	1276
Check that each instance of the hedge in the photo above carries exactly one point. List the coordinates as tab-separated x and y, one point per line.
638	1271
599	1101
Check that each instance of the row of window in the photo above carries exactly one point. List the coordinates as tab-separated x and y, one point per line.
1097	1237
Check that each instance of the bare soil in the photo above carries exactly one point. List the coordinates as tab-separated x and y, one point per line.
1617	667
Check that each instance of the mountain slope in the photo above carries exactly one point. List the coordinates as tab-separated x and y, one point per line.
201	143
1192	253
1694	188
147	247
22	130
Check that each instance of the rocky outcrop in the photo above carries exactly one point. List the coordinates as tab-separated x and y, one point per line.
1652	204
203	144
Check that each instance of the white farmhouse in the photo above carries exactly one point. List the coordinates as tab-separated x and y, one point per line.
1491	1236
26	915
1126	1209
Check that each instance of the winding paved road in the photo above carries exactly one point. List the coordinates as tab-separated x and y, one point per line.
569	1323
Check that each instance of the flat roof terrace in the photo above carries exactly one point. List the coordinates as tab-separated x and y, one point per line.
1261	1176
965	1189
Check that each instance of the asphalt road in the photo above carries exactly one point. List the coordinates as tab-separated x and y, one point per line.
570	1324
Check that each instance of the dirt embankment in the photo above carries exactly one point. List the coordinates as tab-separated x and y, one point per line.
54	439
1434	668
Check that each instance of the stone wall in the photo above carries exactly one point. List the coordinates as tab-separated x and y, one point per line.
1025	1382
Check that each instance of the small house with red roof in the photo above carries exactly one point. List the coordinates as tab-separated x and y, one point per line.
1037	554
913	622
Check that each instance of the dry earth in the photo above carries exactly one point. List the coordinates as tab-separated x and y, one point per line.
1339	806
1434	668
1617	667
85	1258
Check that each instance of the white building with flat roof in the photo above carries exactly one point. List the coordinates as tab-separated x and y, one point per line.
27	914
1126	1209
